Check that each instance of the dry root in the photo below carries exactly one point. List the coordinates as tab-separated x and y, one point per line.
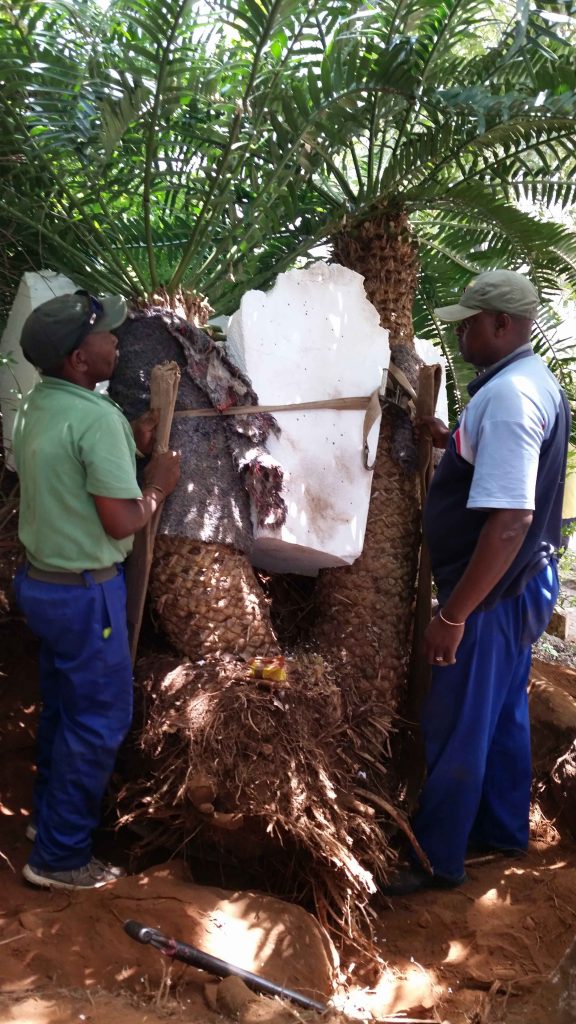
12	553
541	828
290	774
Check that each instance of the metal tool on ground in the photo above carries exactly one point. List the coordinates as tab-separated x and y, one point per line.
213	965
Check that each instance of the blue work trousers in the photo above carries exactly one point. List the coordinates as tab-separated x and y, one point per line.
476	732
86	691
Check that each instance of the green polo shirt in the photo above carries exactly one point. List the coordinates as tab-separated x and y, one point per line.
70	443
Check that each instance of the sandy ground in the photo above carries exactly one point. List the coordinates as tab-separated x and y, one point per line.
477	955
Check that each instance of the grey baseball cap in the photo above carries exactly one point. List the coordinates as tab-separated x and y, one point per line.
57	327
503	291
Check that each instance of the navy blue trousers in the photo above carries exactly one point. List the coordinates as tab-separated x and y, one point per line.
476	732
86	691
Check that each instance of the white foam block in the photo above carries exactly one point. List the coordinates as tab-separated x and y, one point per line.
19	376
314	336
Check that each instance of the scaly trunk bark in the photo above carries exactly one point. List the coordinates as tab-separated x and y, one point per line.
365	610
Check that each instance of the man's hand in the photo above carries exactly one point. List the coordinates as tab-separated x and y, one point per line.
441	642
435	429
163	471
144	430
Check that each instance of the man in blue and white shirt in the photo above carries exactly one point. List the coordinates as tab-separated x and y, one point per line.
492	521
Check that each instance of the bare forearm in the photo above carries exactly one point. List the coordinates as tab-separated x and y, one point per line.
498	544
121	517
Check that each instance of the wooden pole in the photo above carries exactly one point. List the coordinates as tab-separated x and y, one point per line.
419	671
164	381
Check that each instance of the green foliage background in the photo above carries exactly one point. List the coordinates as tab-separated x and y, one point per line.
156	145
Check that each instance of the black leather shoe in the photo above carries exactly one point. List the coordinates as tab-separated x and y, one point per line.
409	880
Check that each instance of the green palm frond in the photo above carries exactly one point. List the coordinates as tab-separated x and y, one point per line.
163	143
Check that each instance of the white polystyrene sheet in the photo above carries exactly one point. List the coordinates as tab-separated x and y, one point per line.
19	376
314	336
430	355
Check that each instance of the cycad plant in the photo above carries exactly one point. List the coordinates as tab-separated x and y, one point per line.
155	147
433	183
171	149
163	148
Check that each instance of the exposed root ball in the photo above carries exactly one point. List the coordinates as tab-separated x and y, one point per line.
290	770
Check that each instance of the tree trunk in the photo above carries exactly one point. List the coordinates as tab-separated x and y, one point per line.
365	610
285	771
203	590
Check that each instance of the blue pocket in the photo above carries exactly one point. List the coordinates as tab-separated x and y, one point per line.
539	599
113	624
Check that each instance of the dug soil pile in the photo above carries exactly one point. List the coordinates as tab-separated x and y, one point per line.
478	955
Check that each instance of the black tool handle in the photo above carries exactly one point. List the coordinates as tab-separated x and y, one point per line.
206	962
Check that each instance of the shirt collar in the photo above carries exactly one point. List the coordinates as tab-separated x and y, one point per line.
485	375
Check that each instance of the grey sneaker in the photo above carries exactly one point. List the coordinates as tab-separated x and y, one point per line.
92	876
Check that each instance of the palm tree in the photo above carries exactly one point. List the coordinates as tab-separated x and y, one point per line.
169	150
166	136
431	184
209	145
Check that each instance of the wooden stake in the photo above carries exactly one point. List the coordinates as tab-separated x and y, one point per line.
419	671
164	381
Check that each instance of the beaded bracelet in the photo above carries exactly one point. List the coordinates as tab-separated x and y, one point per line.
447	621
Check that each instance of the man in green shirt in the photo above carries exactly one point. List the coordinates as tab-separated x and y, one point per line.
80	507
